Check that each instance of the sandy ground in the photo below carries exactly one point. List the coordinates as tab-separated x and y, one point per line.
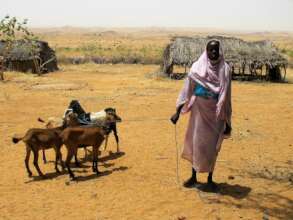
254	168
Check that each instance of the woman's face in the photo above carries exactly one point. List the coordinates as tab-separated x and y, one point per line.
213	50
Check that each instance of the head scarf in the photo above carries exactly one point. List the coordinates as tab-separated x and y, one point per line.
215	76
209	73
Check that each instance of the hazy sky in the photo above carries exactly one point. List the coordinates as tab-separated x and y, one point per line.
257	15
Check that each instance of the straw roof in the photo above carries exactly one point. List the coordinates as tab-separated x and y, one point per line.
185	50
21	52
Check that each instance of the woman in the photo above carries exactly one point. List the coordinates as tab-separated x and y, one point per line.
207	95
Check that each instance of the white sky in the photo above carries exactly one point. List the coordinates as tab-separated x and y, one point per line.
256	15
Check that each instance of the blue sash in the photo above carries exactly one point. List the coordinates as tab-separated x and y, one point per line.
201	91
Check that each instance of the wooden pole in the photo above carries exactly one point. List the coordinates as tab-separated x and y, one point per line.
1	68
285	69
1	76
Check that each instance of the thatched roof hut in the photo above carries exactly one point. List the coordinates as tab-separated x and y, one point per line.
246	59
21	58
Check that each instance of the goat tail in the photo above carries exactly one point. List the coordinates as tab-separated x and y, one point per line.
41	120
15	140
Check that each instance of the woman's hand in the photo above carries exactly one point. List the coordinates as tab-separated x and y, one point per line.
228	129
176	116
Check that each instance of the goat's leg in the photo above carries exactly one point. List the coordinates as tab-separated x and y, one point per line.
61	161
94	166
85	152
70	154
95	159
77	164
36	164
26	161
44	156
106	142
57	152
117	142
116	137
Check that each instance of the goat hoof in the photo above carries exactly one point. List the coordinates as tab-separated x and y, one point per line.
98	173
30	174
72	178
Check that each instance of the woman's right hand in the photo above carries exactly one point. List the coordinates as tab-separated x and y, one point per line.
228	129
174	118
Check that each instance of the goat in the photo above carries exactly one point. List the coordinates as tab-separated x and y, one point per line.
94	117
73	137
44	138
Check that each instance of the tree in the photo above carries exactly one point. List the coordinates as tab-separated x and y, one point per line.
11	31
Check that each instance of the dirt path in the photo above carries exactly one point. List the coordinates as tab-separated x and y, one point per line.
254	168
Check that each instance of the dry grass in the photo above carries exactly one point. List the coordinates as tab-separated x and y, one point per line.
109	47
143	45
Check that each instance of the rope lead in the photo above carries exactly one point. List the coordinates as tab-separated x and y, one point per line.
177	156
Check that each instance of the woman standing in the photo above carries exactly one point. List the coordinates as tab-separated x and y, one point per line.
207	96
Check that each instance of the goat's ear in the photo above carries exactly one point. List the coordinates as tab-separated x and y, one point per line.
41	120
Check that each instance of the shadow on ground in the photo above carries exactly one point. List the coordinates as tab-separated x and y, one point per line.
274	204
82	168
225	189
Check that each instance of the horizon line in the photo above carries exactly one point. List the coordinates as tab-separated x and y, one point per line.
189	28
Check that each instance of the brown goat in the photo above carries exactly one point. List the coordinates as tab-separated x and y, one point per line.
41	138
44	138
72	137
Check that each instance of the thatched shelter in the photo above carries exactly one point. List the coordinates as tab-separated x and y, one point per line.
247	59
21	59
